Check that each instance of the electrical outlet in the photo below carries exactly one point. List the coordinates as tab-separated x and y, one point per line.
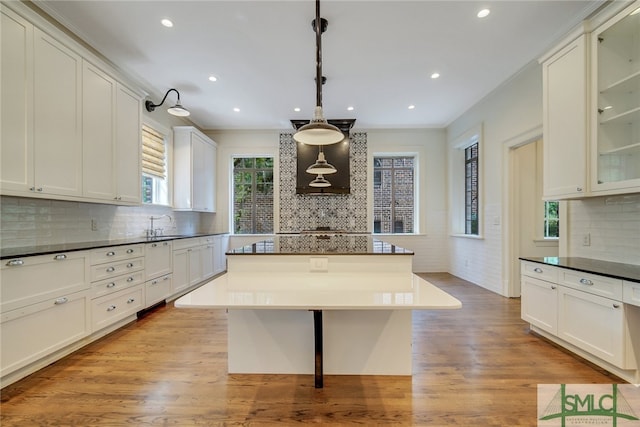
586	239
94	224
318	264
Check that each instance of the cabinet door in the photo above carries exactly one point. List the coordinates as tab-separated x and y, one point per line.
180	270
128	146
208	255
195	265
539	303
157	259
203	165
594	324
98	118
57	117
565	122
16	73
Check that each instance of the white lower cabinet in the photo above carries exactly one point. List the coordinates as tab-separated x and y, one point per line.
156	290
568	307
594	324
35	331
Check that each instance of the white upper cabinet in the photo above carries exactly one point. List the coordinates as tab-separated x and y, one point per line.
565	122
128	146
615	104
194	170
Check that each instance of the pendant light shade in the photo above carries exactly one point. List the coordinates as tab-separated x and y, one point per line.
321	166
178	110
318	131
320	182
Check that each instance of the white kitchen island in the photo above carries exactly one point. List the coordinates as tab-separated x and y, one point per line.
320	304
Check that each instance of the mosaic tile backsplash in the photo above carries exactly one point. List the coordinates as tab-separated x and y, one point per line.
300	212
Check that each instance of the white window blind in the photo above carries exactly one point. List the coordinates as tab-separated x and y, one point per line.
153	153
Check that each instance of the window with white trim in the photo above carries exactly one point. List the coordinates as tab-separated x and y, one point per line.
393	194
252	202
465	184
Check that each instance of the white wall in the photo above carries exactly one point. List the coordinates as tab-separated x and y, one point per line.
513	109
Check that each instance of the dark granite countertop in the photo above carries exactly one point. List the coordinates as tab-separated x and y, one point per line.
312	244
81	246
616	270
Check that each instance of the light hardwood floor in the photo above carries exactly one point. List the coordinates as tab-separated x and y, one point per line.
477	366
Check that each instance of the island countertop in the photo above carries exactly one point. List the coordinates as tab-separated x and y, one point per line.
312	244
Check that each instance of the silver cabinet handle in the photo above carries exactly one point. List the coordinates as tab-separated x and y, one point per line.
60	257
537	270
111	308
61	301
15	262
129	279
129	251
111	285
32	188
111	269
111	253
586	282
553	286
578	188
130	300
166	278
130	265
39	189
154	282
153	245
165	244
615	305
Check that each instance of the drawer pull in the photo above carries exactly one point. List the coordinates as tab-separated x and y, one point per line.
61	301
129	279
553	286
130	300
15	262
155	282
111	285
153	245
60	257
111	269
111	308
165	244
111	253
129	251
586	282
130	265
537	270
615	305
166	278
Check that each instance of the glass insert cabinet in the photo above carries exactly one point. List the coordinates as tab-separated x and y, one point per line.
616	102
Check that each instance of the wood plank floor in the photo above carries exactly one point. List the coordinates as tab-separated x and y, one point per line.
475	366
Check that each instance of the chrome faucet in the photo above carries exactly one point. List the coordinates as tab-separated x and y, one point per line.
155	232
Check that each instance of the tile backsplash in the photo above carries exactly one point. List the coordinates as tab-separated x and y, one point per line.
609	224
27	222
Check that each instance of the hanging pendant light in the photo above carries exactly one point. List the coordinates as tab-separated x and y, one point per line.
321	166
320	182
319	131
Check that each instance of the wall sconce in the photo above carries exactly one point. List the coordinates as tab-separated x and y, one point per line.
176	110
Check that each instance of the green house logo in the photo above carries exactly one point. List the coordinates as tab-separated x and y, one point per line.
595	406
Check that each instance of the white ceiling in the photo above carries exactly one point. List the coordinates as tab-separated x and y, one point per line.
378	56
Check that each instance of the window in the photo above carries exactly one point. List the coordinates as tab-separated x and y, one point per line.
155	188
393	194
471	217
551	220
253	195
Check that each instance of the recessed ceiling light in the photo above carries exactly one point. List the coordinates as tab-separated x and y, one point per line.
297	109
213	79
349	108
411	107
435	75
484	13
167	23
236	109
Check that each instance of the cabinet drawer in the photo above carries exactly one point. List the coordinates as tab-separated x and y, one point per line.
119	283
30	280
186	243
631	293
109	270
594	284
111	308
116	253
157	290
539	271
38	330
